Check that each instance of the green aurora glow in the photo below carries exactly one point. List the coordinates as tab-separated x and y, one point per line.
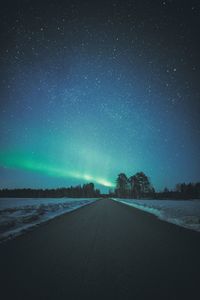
19	161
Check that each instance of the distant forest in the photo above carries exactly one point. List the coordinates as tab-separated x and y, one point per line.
84	191
137	186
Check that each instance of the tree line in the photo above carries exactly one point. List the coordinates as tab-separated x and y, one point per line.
136	186
85	191
139	186
181	191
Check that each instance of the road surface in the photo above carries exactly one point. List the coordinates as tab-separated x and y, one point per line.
105	250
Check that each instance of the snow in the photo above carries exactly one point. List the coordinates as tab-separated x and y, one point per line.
18	215
185	213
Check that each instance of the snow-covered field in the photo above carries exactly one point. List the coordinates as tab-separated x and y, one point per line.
184	213
20	214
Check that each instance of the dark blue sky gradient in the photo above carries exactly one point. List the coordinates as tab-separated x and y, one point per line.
90	89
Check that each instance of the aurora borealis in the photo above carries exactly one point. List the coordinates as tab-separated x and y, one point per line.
18	161
91	89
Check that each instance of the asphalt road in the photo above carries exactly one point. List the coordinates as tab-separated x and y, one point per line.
106	250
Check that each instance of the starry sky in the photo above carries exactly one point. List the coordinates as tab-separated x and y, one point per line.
89	89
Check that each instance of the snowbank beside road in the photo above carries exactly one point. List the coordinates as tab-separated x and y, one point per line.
19	214
185	213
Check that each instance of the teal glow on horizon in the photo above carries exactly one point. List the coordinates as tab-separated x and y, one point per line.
18	161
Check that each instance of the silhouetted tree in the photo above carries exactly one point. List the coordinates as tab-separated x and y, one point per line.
122	186
88	190
197	187
134	186
140	185
166	190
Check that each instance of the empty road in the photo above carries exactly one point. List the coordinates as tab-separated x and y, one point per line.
105	250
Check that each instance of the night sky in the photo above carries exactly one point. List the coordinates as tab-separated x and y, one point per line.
89	89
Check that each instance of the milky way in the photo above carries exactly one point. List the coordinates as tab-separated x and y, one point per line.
90	89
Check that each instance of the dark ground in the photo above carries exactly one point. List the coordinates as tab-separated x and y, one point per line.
106	250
